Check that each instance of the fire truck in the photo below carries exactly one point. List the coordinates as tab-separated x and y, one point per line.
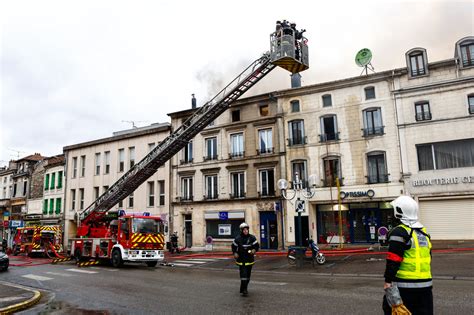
139	238
38	240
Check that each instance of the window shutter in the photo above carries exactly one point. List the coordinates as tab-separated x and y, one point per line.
51	206
60	179
46	182
53	180
58	205
45	206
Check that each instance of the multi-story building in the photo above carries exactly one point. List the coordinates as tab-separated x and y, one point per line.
227	175
6	189
53	191
34	199
92	167
435	106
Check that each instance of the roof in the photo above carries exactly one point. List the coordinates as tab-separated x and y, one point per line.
55	160
34	157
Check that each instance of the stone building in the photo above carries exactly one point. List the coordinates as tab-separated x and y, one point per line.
6	189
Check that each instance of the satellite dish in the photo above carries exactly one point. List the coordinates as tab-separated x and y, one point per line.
363	57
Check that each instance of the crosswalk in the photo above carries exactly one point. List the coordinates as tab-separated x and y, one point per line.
193	262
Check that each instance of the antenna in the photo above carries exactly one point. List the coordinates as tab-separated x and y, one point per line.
362	59
17	152
133	122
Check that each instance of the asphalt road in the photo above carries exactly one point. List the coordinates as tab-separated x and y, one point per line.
200	286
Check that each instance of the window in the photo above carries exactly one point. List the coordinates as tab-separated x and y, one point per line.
120	204
369	92
187	153
332	170
296	132
187	188
107	162
83	165
53	180
151	194
105	188
46	182
329	128
60	180
81	198
470	100
51	206
131	155
236	115
264	110
211	187
96	192
74	167
467	54
417	64
444	155
238	185
376	168
58	205
295	106
422	110
223	229
237	145
211	149
121	159
25	187
14	190
327	100
130	201
45	206
265	141
97	164
267	183
161	187
151	146
373	122
73	199
299	167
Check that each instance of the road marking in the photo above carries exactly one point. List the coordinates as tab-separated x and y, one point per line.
11	298
182	265
268	283
102	268
202	259
81	271
35	277
191	261
59	274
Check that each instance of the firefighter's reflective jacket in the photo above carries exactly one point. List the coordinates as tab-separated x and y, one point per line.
243	245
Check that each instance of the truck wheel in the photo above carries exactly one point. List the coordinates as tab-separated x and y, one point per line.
151	263
117	261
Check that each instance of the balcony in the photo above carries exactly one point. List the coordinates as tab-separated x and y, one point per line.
377	179
210	197
210	157
236	155
265	151
297	141
237	195
186	198
374	131
185	161
331	182
423	116
329	137
266	194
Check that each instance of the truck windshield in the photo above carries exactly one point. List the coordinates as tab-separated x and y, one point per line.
145	226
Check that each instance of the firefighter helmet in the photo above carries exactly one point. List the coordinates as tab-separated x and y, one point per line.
243	226
405	209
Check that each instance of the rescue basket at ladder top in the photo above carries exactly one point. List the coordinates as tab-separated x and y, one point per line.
289	49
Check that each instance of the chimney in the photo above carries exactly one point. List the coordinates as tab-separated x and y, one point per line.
295	80
193	101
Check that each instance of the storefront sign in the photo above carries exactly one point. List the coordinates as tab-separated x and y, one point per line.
357	194
224	229
33	216
443	181
223	215
16	223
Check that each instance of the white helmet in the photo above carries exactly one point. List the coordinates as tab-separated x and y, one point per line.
406	209
243	226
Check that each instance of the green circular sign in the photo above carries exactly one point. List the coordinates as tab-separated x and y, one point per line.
363	57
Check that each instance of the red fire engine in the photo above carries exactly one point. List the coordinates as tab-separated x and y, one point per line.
38	240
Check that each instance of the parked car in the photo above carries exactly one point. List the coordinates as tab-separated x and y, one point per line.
4	261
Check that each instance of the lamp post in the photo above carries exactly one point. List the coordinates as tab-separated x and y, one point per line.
301	195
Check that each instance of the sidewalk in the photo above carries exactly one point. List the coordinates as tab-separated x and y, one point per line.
14	298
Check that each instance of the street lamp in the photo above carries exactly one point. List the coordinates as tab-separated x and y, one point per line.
301	194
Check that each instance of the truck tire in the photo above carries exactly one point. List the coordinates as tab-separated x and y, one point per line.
151	263
117	261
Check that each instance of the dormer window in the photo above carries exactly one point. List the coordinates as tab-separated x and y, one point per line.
417	62
465	51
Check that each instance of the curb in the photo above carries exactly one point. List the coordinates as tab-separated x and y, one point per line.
23	305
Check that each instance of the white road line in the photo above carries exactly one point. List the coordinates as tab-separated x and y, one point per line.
36	277
82	271
102	268
191	261
11	298
268	283
202	259
59	274
182	265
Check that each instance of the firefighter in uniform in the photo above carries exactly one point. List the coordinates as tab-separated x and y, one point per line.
244	248
409	260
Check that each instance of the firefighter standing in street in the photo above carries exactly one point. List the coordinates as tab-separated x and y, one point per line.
408	262
244	248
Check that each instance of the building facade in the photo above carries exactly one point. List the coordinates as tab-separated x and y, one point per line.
227	175
52	209
92	167
6	189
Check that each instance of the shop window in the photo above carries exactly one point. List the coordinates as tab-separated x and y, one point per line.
222	229
369	93
295	106
445	155
296	133
332	170
327	100
422	111
372	122
328	129
376	168
299	167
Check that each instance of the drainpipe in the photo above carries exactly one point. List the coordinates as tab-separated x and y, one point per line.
397	126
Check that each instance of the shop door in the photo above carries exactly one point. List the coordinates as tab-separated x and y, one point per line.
188	231
268	230
364	225
304	229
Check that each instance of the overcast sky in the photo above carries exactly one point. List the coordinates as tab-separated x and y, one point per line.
70	73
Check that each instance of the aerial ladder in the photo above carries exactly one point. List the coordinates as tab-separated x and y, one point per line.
288	49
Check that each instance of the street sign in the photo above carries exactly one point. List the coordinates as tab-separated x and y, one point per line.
277	206
223	215
299	205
